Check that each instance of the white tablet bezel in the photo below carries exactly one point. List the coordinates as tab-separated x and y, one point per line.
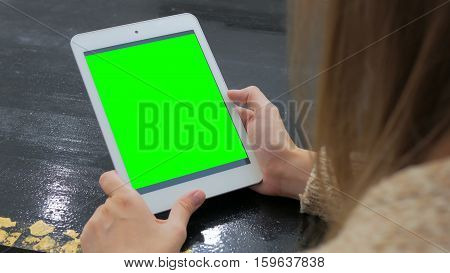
163	199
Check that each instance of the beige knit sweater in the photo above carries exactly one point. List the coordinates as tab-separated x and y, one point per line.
406	212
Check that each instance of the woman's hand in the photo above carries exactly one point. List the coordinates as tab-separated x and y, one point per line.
285	167
125	224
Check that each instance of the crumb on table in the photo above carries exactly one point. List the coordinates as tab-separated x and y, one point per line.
31	240
72	246
46	244
40	228
71	233
3	235
12	238
6	222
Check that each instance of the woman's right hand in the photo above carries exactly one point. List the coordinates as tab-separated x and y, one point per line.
285	167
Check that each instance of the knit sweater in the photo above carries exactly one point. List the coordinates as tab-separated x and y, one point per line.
406	212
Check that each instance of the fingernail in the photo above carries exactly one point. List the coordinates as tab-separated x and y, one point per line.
198	197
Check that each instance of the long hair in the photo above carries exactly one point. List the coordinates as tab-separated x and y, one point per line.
384	94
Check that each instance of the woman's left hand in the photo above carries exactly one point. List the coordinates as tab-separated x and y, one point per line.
125	224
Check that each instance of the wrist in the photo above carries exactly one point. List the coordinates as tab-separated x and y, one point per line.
293	172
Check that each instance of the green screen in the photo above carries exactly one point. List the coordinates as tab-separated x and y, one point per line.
165	109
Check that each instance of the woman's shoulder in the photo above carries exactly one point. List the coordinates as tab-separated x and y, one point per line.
408	211
416	182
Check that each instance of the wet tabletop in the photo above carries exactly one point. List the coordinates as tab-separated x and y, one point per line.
51	148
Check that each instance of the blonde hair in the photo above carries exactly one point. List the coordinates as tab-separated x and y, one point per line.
386	97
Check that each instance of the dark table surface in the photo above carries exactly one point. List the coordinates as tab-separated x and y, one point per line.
51	148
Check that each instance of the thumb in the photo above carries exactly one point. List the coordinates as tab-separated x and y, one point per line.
112	184
245	114
185	207
251	96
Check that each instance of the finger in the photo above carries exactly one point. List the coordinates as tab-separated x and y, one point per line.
245	114
251	96
185	207
256	188
112	184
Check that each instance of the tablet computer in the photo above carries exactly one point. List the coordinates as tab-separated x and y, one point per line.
161	103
